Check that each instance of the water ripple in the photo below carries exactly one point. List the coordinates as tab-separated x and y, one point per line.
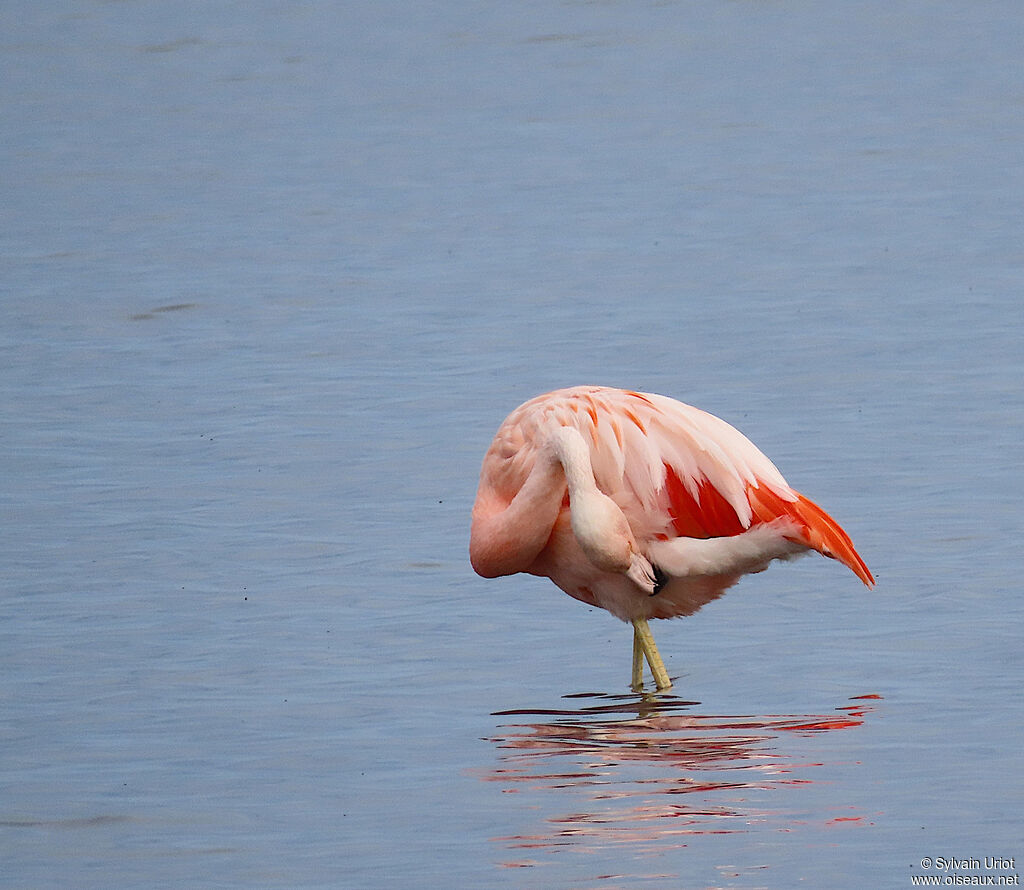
651	771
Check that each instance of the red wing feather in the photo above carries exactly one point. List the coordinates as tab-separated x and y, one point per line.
710	515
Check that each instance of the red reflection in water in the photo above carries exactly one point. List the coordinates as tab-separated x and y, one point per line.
649	772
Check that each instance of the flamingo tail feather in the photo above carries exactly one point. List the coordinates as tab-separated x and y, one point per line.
819	530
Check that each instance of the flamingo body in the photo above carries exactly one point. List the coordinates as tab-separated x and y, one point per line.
638	504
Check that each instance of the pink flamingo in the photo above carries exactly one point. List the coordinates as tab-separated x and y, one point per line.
640	505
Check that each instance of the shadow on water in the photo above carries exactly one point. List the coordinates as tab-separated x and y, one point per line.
652	771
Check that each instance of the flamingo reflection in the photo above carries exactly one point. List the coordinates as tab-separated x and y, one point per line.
650	771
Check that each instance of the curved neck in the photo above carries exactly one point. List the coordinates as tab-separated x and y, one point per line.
506	537
573	454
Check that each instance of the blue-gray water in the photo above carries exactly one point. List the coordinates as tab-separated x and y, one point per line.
272	274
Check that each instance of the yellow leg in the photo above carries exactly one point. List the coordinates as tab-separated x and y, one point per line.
637	685
642	637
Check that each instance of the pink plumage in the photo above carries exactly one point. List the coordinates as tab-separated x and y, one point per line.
637	503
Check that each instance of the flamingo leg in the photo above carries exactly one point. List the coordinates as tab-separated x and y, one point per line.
642	637
637	683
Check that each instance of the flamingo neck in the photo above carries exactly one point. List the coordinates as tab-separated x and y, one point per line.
572	453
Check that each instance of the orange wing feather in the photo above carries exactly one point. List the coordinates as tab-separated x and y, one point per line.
820	531
710	515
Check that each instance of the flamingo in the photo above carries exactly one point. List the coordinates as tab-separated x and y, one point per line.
640	505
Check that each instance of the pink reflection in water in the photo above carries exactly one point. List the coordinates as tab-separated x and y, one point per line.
649	772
